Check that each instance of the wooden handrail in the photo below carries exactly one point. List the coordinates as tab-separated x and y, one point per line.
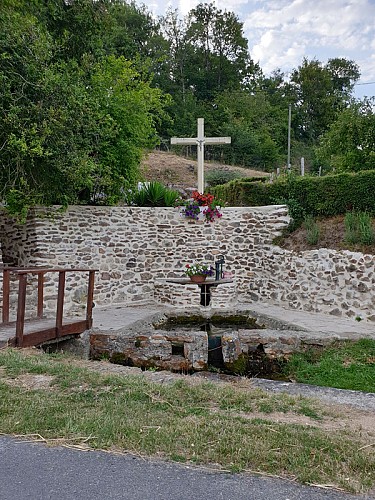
6	284
22	273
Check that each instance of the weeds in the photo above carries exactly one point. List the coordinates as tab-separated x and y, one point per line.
312	230
358	228
220	176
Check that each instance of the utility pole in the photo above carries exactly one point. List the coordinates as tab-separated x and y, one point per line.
289	125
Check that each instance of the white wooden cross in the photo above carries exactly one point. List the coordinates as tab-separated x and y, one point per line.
200	141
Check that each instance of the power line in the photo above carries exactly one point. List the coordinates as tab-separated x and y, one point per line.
366	83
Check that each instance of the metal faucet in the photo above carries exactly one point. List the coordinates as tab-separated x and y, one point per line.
219	267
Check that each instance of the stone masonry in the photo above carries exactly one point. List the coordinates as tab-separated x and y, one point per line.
136	248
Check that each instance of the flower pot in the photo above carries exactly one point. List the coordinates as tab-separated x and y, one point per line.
198	278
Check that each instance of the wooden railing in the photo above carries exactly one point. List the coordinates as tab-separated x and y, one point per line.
59	329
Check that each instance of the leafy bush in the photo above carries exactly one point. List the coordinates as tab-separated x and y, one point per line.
220	176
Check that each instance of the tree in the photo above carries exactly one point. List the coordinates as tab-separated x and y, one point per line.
220	59
349	144
320	93
174	29
253	123
69	130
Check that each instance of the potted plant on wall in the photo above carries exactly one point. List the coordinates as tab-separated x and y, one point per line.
198	272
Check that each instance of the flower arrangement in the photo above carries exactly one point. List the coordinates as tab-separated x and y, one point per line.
192	207
198	270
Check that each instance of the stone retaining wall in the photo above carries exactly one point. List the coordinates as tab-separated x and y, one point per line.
134	248
340	283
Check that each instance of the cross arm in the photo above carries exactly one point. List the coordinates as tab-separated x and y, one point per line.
217	140
184	140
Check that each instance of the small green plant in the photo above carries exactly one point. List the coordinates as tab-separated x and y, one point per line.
358	228
296	211
220	176
152	194
351	228
312	230
366	232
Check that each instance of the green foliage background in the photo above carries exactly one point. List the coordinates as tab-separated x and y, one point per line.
88	86
317	196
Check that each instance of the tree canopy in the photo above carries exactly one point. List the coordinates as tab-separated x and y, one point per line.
89	85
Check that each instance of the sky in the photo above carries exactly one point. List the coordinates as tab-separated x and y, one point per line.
282	32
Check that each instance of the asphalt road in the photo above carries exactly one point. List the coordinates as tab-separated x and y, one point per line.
32	471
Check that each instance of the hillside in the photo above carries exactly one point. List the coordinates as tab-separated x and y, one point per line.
178	172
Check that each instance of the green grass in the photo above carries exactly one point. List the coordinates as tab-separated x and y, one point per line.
348	365
203	423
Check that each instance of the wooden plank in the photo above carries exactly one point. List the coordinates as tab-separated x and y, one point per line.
188	141
217	140
38	337
37	270
74	328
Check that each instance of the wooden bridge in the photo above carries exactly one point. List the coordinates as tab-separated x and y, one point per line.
30	332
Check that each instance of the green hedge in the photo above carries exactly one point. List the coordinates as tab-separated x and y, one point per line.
318	196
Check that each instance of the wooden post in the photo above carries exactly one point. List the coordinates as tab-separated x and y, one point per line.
20	323
60	304
40	295
6	282
90	298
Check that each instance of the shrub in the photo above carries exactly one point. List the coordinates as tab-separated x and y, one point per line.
296	212
319	196
220	176
366	232
351	228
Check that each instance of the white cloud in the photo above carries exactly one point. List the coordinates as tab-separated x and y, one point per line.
282	32
185	6
287	31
